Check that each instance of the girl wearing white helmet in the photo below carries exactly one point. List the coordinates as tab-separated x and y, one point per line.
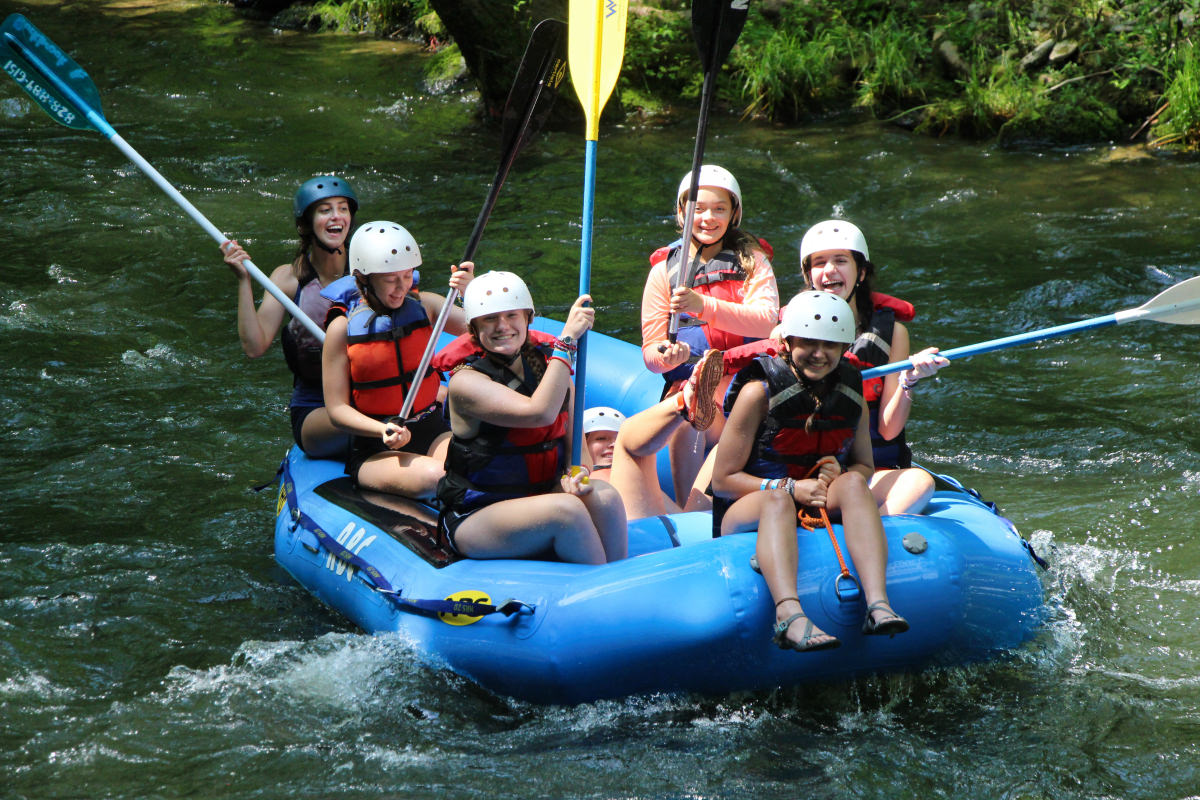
601	425
834	258
368	366
733	299
797	437
509	491
323	209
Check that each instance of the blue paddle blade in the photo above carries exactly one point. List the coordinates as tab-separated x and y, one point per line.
56	83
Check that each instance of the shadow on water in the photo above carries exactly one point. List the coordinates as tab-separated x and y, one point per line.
150	646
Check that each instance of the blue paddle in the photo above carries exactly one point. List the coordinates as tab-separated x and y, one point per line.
64	91
1179	305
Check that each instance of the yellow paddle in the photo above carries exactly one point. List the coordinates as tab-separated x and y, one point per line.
595	47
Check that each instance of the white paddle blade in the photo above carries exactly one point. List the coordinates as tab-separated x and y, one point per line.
1179	305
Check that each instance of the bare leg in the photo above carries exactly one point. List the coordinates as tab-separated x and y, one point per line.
320	439
774	514
407	474
686	449
635	459
902	491
607	513
528	526
850	495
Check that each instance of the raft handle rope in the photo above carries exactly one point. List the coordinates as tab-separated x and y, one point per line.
424	608
811	522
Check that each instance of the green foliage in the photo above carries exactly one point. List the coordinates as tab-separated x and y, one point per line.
1180	121
811	56
660	56
381	17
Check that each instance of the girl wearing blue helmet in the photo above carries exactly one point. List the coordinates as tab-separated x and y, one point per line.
323	209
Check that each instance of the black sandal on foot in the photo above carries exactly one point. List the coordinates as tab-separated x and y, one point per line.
889	626
805	645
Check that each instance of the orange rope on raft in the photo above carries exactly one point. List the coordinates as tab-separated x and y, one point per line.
811	522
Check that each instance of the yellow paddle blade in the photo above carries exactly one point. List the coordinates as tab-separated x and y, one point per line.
595	47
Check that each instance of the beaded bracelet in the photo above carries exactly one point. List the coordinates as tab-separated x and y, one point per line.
570	347
905	385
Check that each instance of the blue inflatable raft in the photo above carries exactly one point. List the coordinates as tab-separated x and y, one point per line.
684	613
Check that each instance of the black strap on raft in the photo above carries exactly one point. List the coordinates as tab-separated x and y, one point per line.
424	608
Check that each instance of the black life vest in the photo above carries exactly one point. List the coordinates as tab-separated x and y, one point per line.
500	463
797	431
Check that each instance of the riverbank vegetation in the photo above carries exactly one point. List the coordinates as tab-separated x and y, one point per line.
1059	71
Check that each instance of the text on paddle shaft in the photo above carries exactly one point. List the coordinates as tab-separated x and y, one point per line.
37	92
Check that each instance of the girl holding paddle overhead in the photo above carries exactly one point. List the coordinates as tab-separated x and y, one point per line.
323	209
797	437
732	299
368	364
508	492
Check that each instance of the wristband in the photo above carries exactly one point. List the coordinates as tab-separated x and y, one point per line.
566	343
555	356
905	385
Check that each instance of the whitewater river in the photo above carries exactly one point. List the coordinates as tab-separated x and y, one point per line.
150	648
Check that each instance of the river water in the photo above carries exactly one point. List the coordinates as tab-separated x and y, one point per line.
149	647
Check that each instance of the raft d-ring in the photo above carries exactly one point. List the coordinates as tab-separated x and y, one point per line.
850	595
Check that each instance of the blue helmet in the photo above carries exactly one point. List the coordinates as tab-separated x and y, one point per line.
319	188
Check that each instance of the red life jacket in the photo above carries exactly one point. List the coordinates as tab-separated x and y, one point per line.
463	347
384	352
797	432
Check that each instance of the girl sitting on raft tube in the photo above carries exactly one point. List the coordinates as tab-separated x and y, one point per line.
733	300
368	362
834	258
797	437
323	209
507	492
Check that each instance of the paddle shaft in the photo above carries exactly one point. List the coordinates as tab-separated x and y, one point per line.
595	61
101	124
1001	344
514	141
689	275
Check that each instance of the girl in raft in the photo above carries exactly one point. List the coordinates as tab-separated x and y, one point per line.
323	209
797	437
733	300
508	492
368	365
834	258
625	451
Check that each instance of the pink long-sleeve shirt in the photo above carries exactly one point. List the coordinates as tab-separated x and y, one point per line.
755	316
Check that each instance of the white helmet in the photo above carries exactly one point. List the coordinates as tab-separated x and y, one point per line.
818	315
602	418
382	246
494	292
833	234
719	177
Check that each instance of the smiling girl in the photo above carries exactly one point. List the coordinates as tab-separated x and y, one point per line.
508	490
797	437
834	258
323	209
368	366
733	300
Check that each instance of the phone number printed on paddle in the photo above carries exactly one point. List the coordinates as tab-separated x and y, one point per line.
43	96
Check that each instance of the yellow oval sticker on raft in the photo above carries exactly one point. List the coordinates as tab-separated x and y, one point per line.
467	596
